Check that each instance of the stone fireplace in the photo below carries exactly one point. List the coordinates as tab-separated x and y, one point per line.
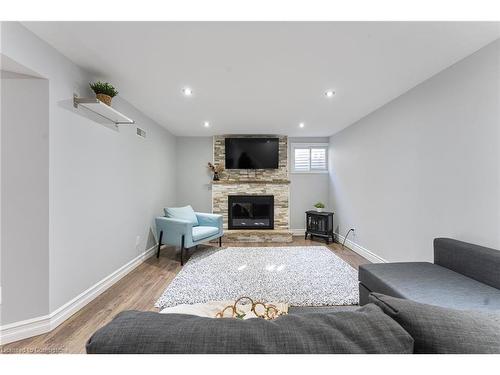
254	183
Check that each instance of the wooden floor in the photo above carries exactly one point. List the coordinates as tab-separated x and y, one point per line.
138	290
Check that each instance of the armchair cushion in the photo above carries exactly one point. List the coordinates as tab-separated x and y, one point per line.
183	213
209	220
201	232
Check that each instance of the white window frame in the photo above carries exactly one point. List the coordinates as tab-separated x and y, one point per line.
310	146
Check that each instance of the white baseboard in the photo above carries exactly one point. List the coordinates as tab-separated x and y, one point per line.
365	253
43	324
24	329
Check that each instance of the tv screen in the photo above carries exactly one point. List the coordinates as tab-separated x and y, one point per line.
252	153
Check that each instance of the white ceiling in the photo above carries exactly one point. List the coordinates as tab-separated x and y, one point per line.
257	77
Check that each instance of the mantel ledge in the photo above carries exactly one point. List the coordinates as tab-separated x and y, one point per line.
262	182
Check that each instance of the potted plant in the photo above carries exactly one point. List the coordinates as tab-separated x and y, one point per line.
216	169
103	91
319	206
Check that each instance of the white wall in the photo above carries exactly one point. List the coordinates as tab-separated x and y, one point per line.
106	185
192	175
306	189
425	165
24	197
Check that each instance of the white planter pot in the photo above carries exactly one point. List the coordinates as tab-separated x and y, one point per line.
319	209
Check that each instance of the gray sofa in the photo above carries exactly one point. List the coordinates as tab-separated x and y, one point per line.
409	308
463	276
385	325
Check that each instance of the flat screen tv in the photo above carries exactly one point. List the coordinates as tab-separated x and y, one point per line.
252	153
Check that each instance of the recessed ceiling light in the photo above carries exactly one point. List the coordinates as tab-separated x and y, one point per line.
187	91
301	125
206	124
329	93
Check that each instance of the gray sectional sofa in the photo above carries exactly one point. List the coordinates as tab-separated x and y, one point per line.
463	276
409	308
385	325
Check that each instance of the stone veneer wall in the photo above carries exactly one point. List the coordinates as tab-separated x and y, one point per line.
239	175
253	182
220	191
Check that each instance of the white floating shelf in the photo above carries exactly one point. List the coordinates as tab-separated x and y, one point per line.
103	110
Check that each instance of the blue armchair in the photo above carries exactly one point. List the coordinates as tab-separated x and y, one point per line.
183	227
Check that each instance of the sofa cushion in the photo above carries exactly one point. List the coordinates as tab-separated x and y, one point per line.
183	213
366	330
440	330
201	232
429	283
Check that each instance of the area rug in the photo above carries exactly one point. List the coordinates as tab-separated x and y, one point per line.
299	276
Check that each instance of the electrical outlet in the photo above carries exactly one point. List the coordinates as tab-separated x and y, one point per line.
137	241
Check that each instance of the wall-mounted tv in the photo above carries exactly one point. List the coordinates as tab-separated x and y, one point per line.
252	153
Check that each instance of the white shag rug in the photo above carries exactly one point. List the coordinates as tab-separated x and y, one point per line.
298	275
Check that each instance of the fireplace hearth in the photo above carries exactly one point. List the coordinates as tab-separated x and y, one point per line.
250	212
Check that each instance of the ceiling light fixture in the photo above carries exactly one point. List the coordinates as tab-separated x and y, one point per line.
329	93
206	124
187	91
301	125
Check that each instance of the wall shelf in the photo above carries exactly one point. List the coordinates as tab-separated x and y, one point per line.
103	110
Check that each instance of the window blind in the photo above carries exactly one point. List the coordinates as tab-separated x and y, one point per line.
309	158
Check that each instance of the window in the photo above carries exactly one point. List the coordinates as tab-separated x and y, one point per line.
309	158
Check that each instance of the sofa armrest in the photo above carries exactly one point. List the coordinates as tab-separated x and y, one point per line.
210	220
173	230
477	262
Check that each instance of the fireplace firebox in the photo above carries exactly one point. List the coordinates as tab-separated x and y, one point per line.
250	212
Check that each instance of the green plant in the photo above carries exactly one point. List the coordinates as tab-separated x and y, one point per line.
319	205
103	88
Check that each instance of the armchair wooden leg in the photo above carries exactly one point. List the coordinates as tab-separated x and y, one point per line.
159	245
220	241
182	250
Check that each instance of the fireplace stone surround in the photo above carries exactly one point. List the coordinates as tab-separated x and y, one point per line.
257	182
